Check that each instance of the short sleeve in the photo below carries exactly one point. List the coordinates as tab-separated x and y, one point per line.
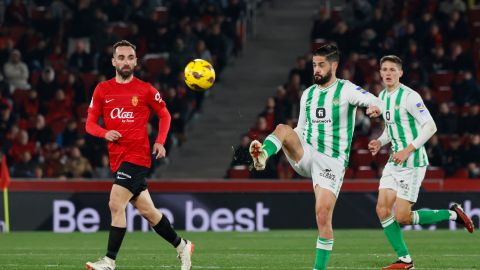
417	109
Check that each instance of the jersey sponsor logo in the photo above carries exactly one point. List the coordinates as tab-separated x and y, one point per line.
120	114
134	100
321	113
109	100
327	173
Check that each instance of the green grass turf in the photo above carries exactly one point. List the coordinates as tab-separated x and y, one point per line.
293	249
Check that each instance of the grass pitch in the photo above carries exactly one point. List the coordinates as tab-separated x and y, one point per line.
288	250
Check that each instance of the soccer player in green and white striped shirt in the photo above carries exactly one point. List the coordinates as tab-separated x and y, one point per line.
408	126
320	144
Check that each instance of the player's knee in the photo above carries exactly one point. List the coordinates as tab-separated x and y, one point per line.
383	212
403	217
115	207
322	216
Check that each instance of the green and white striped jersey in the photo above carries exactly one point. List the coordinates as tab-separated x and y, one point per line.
404	115
327	116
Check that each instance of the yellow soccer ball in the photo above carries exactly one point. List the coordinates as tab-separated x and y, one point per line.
199	75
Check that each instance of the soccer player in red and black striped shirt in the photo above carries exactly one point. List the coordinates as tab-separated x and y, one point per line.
125	103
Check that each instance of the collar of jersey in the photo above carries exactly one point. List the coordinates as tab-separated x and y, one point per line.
327	88
394	91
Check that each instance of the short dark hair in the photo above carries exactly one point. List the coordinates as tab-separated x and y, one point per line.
123	43
330	51
392	58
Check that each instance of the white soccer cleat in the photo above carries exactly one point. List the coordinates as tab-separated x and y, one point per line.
185	255
259	155
104	263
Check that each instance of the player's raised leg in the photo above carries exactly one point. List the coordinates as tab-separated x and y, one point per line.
162	227
283	136
324	205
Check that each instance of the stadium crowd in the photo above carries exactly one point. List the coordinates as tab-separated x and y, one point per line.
440	46
53	53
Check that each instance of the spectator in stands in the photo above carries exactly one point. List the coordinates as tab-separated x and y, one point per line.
322	26
16	14
470	122
77	165
282	103
435	153
260	130
41	133
415	74
219	46
31	105
472	152
46	87
465	89
103	171
70	134
16	72
454	156
460	59
80	60
177	108
438	61
302	70
272	114
22	145
447	121
25	167
180	56
456	28
473	170
241	155
59	109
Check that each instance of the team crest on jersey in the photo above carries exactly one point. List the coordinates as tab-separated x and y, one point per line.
396	107
134	100
336	102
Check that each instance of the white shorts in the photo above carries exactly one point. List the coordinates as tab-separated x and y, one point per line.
404	180
325	171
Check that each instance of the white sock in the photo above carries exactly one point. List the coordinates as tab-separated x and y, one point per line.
405	259
453	215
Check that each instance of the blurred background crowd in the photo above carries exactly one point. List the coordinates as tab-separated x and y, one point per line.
439	43
53	53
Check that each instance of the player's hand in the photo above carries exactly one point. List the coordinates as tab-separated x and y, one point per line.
112	135
158	150
374	146
373	111
400	156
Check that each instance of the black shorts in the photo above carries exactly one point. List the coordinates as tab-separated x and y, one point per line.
132	177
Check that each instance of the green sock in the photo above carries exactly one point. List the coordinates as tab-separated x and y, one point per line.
429	216
324	248
392	230
272	144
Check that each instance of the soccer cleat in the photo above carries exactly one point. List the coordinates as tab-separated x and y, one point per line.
104	263
462	218
259	155
185	255
400	265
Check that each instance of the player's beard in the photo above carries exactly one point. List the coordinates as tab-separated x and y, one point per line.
321	80
124	73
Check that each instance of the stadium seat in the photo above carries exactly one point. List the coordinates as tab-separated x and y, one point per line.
360	142
88	78
161	14
361	157
382	157
442	79
239	172
121	29
364	172
474	15
154	64
348	173
434	173
443	94
461	173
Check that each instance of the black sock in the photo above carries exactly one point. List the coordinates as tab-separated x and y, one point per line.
115	239
165	230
